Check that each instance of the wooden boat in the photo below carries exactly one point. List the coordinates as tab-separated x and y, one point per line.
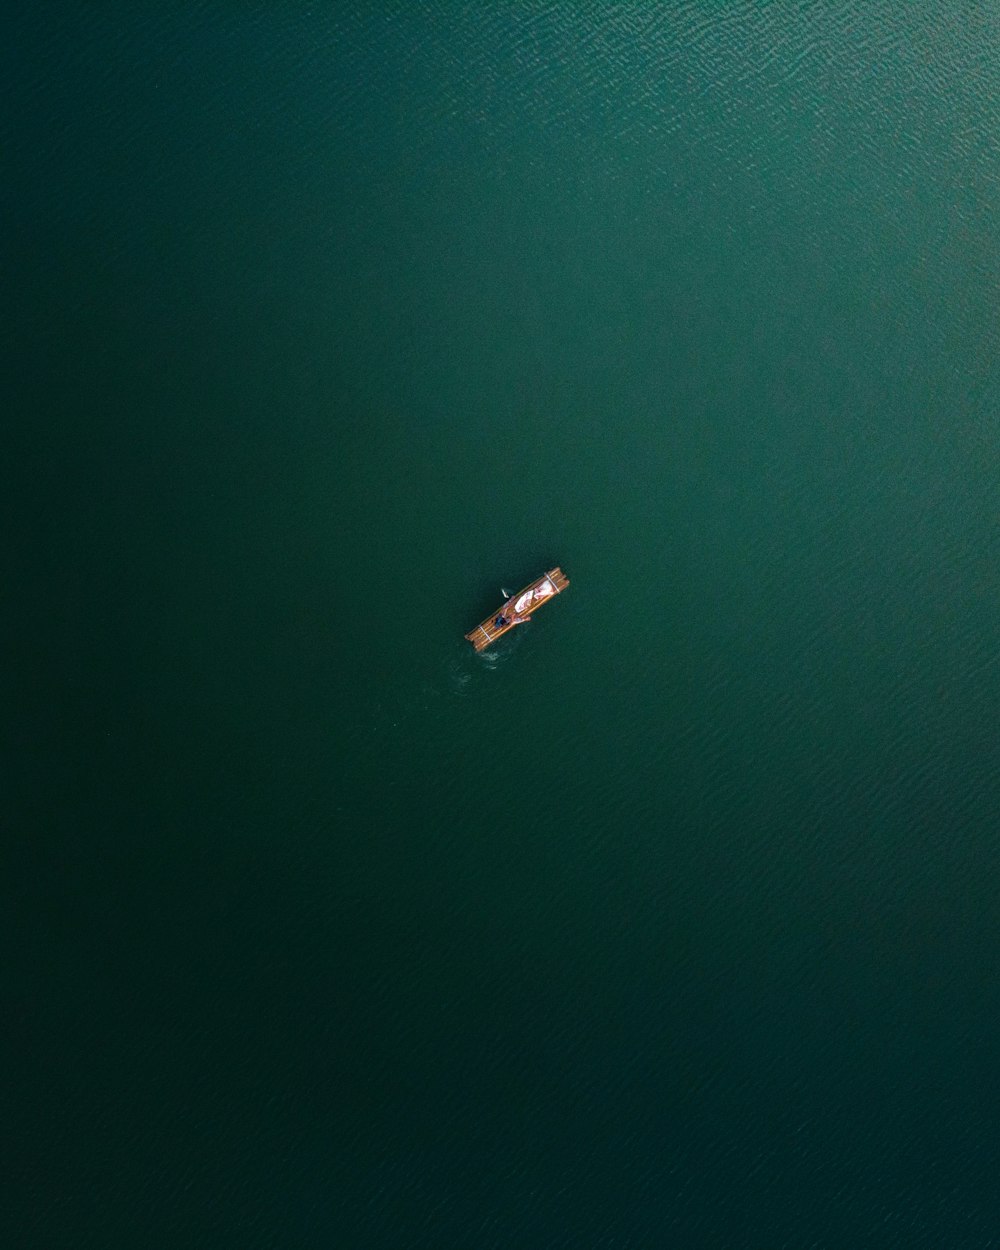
518	608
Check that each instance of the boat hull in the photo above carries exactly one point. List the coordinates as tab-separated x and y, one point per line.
518	608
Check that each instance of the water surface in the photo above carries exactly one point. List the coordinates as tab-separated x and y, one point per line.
672	920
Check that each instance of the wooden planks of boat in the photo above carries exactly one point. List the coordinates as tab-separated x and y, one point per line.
518	608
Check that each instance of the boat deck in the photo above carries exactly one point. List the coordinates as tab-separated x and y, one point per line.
526	601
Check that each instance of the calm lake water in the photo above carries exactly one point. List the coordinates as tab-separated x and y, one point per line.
672	921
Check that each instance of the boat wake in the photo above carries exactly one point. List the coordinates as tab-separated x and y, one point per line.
459	677
462	669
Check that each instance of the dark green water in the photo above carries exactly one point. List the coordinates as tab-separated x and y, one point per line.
674	921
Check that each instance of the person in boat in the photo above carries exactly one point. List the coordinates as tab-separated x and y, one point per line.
509	615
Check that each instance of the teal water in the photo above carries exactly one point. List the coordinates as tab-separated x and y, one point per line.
672	922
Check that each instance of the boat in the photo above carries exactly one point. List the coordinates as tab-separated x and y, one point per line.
517	609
